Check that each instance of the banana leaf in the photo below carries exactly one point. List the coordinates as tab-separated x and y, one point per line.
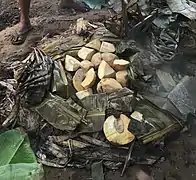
150	123
95	101
63	115
95	4
95	121
53	155
166	80
94	141
115	155
97	171
96	106
121	100
112	165
17	158
183	96
184	7
35	78
61	84
60	46
24	171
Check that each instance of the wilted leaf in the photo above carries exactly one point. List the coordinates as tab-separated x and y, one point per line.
166	80
95	4
183	95
121	100
153	122
61	114
184	7
34	80
96	105
61	84
97	171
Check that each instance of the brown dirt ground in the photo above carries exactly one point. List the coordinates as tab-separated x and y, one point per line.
180	163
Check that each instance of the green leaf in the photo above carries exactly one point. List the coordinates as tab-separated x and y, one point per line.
24	154
15	148
21	171
17	158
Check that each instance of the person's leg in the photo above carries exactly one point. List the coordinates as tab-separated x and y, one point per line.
24	15
25	25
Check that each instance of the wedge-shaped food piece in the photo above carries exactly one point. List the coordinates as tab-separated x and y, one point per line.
116	130
85	93
86	53
105	71
71	63
86	65
108	85
107	47
78	78
89	79
94	44
122	77
96	60
120	64
109	58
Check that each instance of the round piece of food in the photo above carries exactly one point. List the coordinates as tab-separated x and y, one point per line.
96	60
105	71
108	85
109	58
120	64
86	65
116	130
89	80
122	77
78	78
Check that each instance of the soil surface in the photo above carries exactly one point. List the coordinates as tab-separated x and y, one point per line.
180	162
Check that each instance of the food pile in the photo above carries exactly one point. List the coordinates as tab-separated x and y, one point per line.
97	69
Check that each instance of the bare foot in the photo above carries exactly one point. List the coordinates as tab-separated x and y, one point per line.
73	4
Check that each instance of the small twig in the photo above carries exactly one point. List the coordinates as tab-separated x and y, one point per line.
124	26
70	146
128	158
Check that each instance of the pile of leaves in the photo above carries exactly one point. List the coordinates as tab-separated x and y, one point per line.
109	126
